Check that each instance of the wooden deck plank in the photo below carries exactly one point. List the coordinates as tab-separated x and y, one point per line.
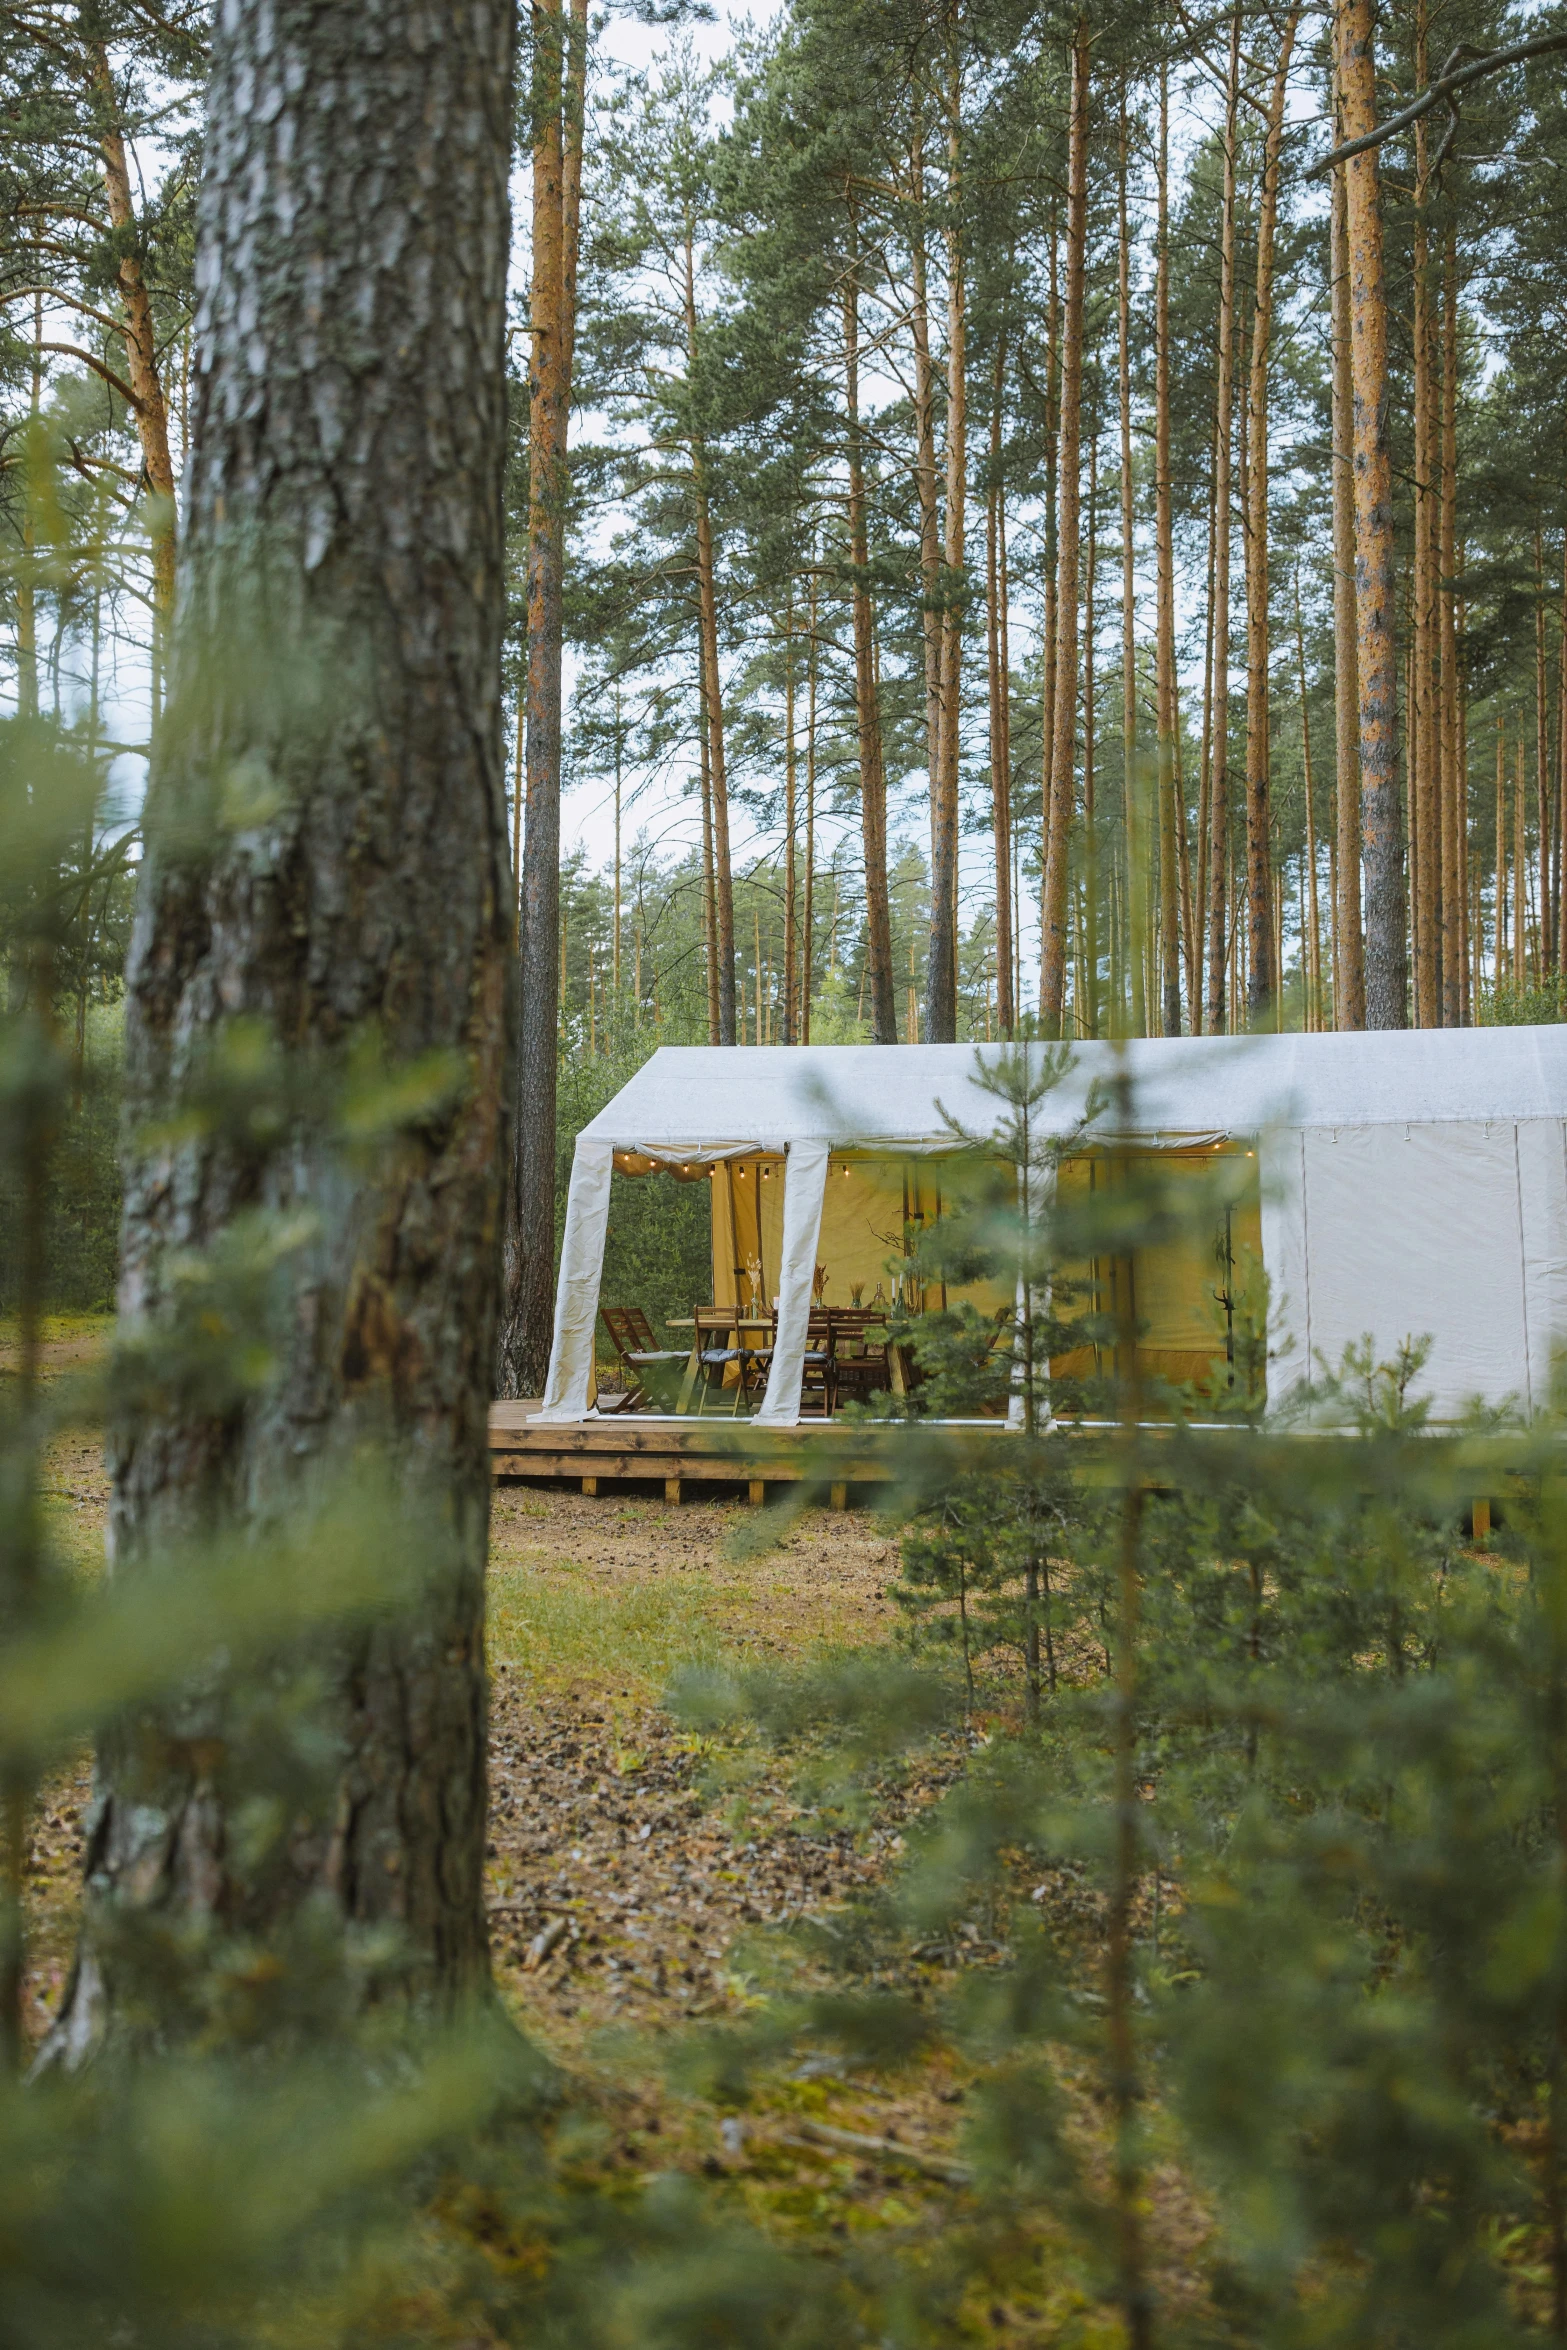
674	1451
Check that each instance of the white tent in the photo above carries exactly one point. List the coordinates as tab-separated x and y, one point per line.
1412	1184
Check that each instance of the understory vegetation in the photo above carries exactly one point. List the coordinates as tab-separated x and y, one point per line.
1116	1897
1159	1937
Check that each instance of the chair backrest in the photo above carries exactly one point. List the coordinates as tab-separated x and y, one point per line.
628	1327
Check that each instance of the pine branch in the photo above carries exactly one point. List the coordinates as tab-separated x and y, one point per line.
1442	90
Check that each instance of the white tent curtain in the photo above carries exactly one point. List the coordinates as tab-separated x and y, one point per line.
577	1291
805	1183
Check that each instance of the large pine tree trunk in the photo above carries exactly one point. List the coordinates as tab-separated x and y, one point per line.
1381	825
1058	815
338	662
1224	425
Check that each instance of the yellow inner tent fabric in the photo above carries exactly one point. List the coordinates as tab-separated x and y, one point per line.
871	1203
1178	1286
868	1205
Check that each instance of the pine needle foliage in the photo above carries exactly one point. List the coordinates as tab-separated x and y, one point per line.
1256	1897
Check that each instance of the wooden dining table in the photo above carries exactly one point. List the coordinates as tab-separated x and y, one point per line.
732	1323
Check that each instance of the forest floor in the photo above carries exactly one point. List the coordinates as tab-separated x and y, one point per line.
642	1878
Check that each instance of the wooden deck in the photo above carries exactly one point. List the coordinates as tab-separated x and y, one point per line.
677	1453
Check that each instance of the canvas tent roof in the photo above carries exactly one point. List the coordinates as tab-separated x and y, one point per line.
771	1095
1412	1183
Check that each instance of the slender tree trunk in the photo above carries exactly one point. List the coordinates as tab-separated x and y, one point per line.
1423	735
1000	760
1003	598
1519	958
1500	924
374	895
925	472
1263	977
712	674
1313	957
1089	1020
1197	927
27	567
142	371
1167	705
791	814
1349	984
1058	838
1219	853
1136	866
523	1347
808	925
1047	708
941	973
709	870
1542	761
873	786
1382	843
1454	790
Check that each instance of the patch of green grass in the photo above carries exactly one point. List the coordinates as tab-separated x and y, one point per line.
60	1329
568	1626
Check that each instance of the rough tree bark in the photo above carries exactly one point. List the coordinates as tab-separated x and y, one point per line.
345	529
1262	979
528	1257
1058	815
1219	805
1381	826
1349	978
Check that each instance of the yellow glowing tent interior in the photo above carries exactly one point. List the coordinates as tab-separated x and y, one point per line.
1407	1184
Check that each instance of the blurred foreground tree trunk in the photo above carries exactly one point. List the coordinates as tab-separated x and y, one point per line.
326	858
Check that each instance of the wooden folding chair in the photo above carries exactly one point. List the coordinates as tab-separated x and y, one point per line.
645	1360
